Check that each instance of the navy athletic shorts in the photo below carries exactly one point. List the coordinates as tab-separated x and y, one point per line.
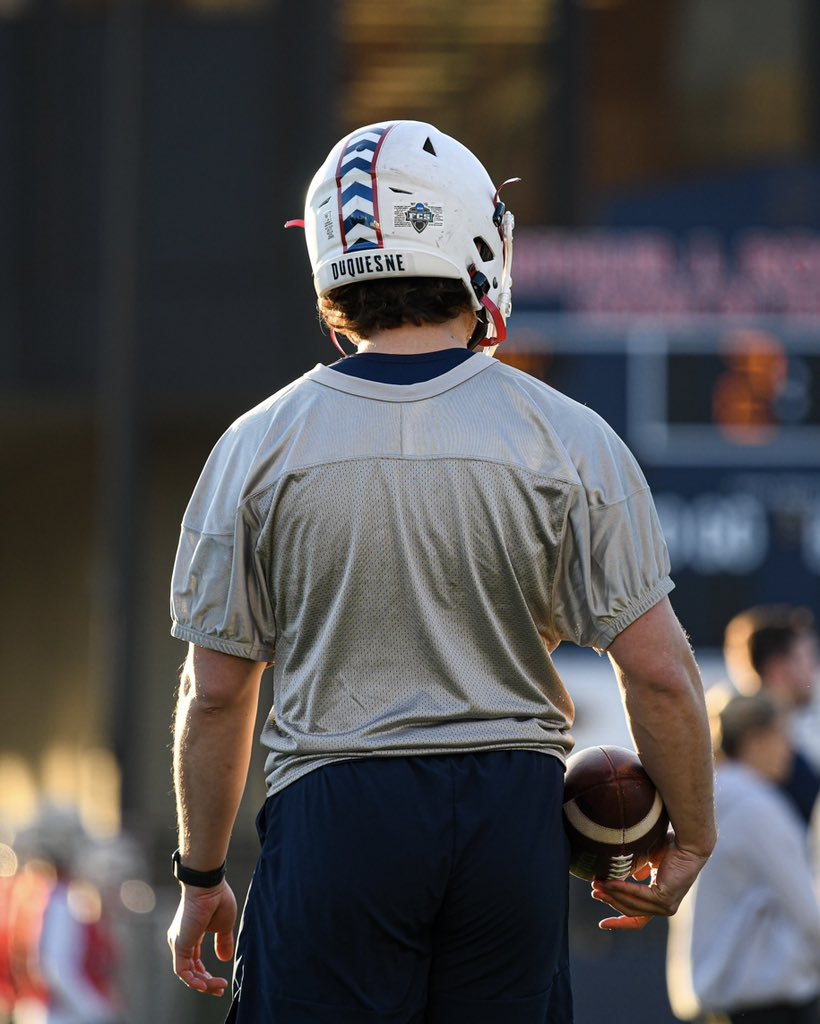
417	890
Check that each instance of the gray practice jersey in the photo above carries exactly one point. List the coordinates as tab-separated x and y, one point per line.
404	554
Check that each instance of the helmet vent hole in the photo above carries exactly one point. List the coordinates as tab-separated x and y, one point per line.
484	250
324	202
428	148
401	191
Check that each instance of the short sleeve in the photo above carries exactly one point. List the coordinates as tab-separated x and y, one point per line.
219	593
615	563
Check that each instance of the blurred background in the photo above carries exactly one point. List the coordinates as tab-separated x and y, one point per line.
667	273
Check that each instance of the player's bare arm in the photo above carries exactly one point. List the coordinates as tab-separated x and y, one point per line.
213	737
663	697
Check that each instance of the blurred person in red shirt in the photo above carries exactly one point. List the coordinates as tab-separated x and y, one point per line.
66	954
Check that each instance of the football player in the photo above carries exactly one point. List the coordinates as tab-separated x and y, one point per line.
405	535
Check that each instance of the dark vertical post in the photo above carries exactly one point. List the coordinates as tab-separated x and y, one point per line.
306	122
120	490
42	187
568	114
811	74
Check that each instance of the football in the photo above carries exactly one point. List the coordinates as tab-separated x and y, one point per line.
613	815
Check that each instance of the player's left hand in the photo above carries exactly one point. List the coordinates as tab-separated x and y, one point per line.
671	873
200	912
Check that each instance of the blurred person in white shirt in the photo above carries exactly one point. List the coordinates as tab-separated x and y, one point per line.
745	944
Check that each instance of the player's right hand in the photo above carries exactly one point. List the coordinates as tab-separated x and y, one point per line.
200	912
671	874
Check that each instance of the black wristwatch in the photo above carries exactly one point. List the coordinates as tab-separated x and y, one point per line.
203	879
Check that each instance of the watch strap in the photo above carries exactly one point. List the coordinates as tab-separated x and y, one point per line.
202	879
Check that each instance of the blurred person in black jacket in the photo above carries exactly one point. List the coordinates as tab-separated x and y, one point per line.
773	649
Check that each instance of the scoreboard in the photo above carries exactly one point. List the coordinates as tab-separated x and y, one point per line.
723	415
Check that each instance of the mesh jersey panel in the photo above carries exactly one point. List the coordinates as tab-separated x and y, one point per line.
405	553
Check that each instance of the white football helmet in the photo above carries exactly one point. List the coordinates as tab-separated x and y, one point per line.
402	199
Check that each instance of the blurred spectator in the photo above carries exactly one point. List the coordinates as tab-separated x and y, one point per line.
814	846
745	943
774	649
6	976
65	952
30	889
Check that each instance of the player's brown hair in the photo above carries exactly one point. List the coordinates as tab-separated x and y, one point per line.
755	636
741	717
359	310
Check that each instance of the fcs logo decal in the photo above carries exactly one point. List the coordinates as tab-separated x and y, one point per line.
418	216
357	191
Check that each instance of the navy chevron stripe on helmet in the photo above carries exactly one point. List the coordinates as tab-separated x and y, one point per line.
357	188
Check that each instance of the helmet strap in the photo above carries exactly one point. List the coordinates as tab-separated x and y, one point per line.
497	319
488	312
479	334
334	337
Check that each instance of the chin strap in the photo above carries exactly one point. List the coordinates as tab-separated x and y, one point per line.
505	222
492	314
335	339
505	291
488	315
